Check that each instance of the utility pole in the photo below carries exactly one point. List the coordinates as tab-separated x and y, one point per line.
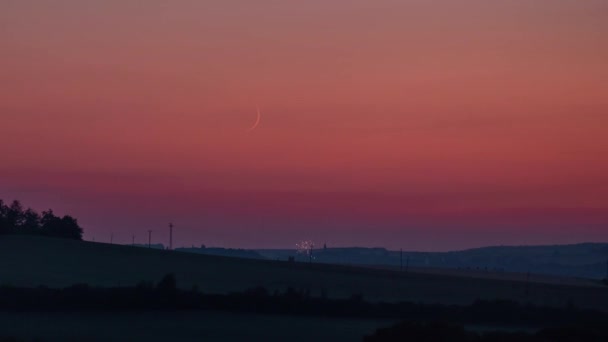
312	246
170	236
149	238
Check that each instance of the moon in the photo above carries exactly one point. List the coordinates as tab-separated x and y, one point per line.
257	121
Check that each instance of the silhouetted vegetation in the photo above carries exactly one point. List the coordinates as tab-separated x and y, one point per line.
14	219
166	295
419	322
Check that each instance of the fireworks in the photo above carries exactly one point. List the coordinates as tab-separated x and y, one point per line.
305	247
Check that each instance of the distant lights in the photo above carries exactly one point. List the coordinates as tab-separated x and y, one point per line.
305	248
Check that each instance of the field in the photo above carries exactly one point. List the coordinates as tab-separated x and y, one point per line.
33	261
187	326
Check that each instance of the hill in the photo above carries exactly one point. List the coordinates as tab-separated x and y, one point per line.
34	261
587	260
228	252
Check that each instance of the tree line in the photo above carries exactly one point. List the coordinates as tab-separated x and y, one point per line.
166	295
418	321
15	219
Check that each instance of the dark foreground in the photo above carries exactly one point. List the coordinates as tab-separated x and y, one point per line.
163	312
209	298
33	261
165	326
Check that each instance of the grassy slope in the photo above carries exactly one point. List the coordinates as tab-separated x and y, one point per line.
34	261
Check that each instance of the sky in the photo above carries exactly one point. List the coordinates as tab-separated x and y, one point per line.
424	125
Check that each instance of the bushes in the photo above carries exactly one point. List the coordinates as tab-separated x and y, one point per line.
420	322
166	295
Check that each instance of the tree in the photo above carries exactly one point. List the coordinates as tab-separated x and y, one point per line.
11	217
167	288
15	220
70	228
31	222
168	283
49	222
65	227
15	215
4	225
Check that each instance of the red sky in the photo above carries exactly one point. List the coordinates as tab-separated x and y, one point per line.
426	125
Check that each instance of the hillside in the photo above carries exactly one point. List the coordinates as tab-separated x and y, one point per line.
228	252
587	260
35	261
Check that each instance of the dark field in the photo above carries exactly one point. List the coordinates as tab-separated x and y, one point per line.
181	326
34	261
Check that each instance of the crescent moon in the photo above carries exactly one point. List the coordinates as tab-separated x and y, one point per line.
257	121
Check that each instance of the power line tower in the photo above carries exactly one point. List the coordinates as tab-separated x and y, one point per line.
170	236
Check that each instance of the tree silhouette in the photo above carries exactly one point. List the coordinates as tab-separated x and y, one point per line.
15	214
65	227
167	288
15	220
31	222
167	284
4	224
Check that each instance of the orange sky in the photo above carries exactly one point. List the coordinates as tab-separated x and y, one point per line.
381	121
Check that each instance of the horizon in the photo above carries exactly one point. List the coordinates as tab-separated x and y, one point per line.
416	125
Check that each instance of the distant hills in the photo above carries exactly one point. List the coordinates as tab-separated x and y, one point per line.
586	260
